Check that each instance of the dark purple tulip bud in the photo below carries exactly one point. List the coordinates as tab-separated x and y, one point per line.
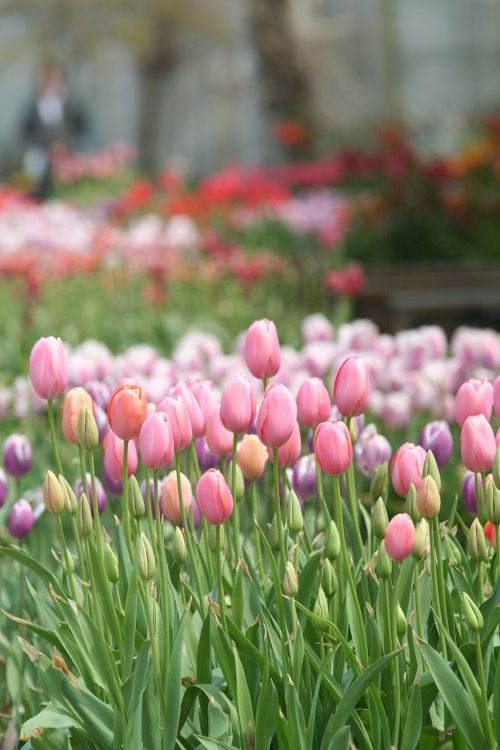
101	419
4	488
21	519
17	457
100	393
436	437
468	491
151	495
371	450
112	485
207	459
101	495
304	477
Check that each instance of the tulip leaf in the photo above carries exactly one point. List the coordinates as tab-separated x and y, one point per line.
173	691
243	700
129	631
496	704
413	723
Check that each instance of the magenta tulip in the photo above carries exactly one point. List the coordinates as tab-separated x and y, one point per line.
48	368
473	397
407	466
333	447
478	444
400	537
237	406
351	389
262	349
214	497
313	402
277	416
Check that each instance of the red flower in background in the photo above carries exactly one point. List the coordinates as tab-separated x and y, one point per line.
291	133
349	281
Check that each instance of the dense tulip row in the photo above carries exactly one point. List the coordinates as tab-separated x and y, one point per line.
346	621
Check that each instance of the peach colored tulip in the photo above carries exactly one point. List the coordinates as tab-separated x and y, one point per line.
251	457
73	402
169	500
127	411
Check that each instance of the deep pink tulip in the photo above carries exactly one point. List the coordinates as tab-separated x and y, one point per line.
478	444
179	421
277	416
219	440
127	411
194	409
289	453
351	389
262	349
156	444
237	406
204	391
169	501
214	497
406	467
333	447
473	397
49	368
313	402
496	396
113	456
400	537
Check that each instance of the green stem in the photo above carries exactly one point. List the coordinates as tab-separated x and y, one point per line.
497	539
258	548
321	496
162	560
277	511
67	563
52	432
441	579
395	663
435	588
126	510
148	606
236	510
484	693
220	584
418	607
480	581
149	508
79	547
189	540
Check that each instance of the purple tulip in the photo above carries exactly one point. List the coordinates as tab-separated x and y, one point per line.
21	519
17	458
151	495
436	437
207	459
4	488
468	491
101	495
101	419
371	450
113	486
100	393
304	477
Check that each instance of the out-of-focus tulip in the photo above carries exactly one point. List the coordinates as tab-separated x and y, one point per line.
473	397
277	416
304	477
436	437
4	488
496	396
73	402
113	486
17	458
400	537
406	467
468	491
237	406
351	389
49	368
219	440
262	349
195	411
289	453
371	450
251	457
101	495
156	444
169	500
127	411
313	402
428	498
333	447
204	391
478	444
214	497
113	456
490	533
207	459
21	519
179	421
53	493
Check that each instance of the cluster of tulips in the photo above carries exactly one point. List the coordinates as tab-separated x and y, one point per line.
225	605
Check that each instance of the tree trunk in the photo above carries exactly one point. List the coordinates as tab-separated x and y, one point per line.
151	84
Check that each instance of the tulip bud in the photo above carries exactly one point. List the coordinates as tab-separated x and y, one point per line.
328	579
321	605
476	546
145	557
70	501
274	539
239	489
84	516
496	463
87	433
411	504
421	546
290	580
135	499
472	613
250	736
212	537
384	564
401	623
111	564
53	493
493	503
431	468
295	519
180	551
428	498
380	519
379	482
452	552
332	542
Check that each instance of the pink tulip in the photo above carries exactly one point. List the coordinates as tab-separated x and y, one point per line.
473	397
262	349
48	368
219	440
251	457
156	444
206	396
496	396
127	410
169	500
406	467
313	402
277	416
351	389
179	421
478	444
194	409
333	447
289	453
400	537
214	497
73	402
114	453
237	406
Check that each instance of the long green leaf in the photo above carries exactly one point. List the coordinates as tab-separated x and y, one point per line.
413	724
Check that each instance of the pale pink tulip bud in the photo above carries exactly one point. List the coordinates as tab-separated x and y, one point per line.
204	391
49	368
237	406
262	349
473	397
407	467
289	453
169	499
496	396
73	402
351	389
127	411
214	497
251	457
193	407
219	440
113	456
333	447
156	444
179	421
277	416
478	444
400	537
313	402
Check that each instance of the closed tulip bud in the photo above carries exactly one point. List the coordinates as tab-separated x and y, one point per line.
170	503
406	467
351	389
473	397
277	416
219	440
401	623
212	538
384	564
379	482
237	405
70	501
332	541
180	551
436	436
290	580
252	457
295	519
473	615
411	504
111	564
496	463
53	493
333	447
135	499
478	444
49	368
431	469
214	497
195	411
428	498
127	411
179	421
400	537
239	489
84	516
452	552
21	519
289	453
156	444
321	605
421	546
328	579
87	432
476	545
380	519
71	564
73	403
262	349
145	558
313	402
493	503
17	455
274	539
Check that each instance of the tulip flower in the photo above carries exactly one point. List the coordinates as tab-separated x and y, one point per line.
17	457
406	467
237	406
490	533
101	495
333	447
400	537
473	397
313	402
73	402
113	456
169	500
478	444
351	389
127	411
277	416
496	396
219	439
436	437
156	444
371	450
48	368
207	459
289	452
21	519
428	498
251	457
468	491
262	349
196	415
4	488
179	421
214	497
204	392
304	477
